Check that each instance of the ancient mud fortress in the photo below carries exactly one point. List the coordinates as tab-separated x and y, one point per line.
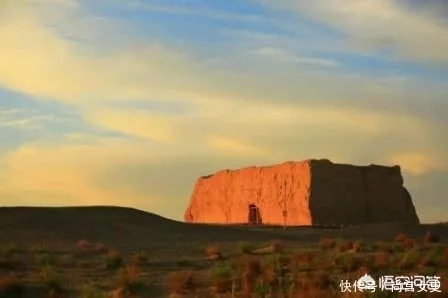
311	192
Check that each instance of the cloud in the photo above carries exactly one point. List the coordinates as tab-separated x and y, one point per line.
287	57
419	163
378	25
54	174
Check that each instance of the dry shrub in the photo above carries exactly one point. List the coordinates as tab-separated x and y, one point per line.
128	279
113	260
11	287
344	245
445	257
269	276
84	245
322	280
180	282
139	258
431	238
213	250
382	259
51	279
409	244
433	257
302	261
277	246
409	260
348	261
327	243
401	238
252	264
222	278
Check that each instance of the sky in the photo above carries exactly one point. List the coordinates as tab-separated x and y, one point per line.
128	102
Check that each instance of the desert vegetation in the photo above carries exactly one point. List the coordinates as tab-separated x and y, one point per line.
242	269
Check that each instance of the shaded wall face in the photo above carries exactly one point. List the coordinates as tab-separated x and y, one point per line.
225	196
337	195
346	194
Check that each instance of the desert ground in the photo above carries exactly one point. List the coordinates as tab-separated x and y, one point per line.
92	252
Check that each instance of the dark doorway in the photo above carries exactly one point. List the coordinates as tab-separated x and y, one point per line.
254	217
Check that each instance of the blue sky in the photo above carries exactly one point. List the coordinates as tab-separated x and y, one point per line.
128	102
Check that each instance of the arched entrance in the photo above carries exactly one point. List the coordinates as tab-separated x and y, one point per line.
254	217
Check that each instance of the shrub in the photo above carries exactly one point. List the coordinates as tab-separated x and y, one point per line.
401	238
344	245
113	260
139	258
213	250
184	263
128	279
431	238
445	257
252	264
433	257
348	261
11	287
409	259
277	246
382	260
222	278
302	261
91	291
326	243
50	278
246	247
44	259
389	247
180	282
83	244
409	244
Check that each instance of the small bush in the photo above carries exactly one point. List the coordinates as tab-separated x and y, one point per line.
44	259
433	257
251	264
222	278
409	244
445	257
431	238
409	259
389	247
277	246
140	258
302	261
382	260
180	282
128	279
246	247
401	238
348	261
213	250
184	263
91	291
50	278
11	287
113	260
344	245
83	244
327	243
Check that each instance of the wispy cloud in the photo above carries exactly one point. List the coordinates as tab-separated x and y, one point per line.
378	25
287	57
